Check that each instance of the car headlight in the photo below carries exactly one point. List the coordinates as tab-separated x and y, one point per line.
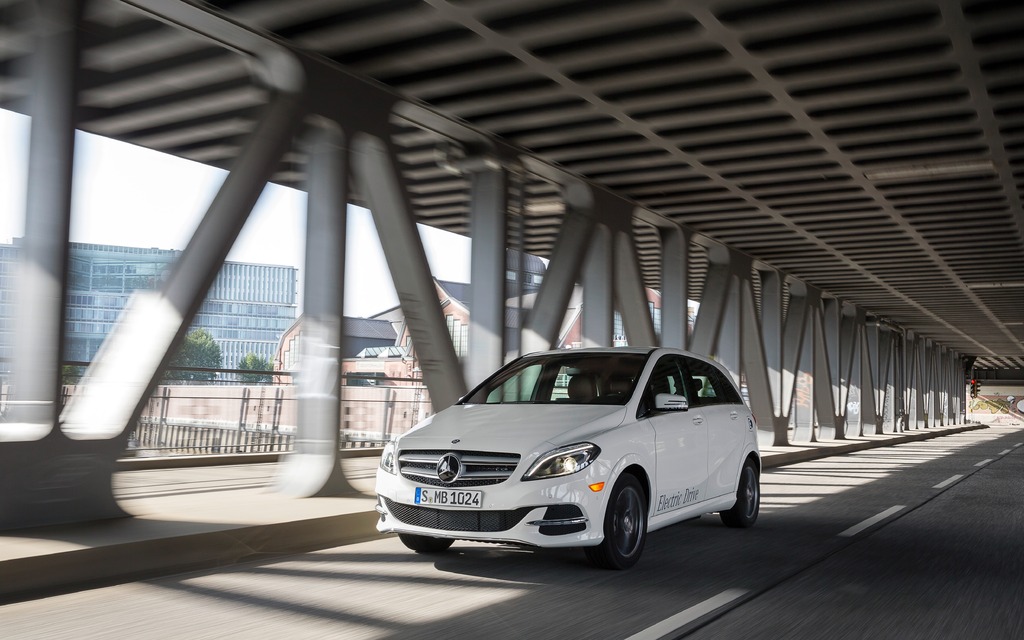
387	459
563	461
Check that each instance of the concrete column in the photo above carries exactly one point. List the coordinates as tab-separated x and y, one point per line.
314	468
377	171
46	477
488	229
598	292
675	259
39	319
545	319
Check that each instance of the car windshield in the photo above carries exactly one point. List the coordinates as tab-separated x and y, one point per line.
563	378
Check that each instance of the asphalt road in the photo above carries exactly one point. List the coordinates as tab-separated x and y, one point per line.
922	540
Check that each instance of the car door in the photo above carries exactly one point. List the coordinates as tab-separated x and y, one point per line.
681	441
727	421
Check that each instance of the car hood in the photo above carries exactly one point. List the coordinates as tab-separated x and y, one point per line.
513	428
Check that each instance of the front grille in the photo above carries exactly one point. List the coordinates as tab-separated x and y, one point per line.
451	520
480	468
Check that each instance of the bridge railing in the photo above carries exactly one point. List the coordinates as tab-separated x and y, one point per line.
226	415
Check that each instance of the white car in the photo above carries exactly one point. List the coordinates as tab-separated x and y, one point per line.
586	448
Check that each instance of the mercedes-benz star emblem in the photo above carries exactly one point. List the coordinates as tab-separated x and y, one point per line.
448	468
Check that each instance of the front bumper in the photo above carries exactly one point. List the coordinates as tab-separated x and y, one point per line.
559	512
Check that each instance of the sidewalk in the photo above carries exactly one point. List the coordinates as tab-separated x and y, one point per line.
203	517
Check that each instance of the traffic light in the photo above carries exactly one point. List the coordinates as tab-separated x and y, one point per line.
975	385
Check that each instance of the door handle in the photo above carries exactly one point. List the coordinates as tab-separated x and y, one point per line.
734	415
698	421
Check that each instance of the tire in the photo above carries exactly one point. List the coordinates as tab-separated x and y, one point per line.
625	527
425	544
748	499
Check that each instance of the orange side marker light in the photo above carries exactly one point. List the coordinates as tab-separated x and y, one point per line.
597	486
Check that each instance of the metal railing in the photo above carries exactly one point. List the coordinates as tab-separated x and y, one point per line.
218	417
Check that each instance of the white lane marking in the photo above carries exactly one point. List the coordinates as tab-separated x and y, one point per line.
857	528
984	462
947	482
1019	444
687	616
1003	453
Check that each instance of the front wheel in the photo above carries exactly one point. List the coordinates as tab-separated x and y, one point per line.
625	527
425	544
748	499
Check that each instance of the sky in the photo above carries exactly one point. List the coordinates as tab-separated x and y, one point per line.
130	196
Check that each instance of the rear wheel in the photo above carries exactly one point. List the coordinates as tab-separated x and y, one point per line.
625	527
425	544
748	499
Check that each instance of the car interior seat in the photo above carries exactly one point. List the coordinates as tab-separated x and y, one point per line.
582	387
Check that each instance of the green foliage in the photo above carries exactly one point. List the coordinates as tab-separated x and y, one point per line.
71	374
253	362
198	350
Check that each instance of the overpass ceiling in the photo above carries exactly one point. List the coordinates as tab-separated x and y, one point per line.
872	148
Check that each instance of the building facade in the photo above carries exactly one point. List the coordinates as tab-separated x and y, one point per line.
247	309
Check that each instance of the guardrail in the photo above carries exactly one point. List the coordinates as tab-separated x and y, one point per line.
165	439
220	418
153	438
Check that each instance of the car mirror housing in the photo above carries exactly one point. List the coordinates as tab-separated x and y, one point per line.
670	402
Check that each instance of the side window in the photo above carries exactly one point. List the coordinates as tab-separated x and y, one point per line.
667	377
710	385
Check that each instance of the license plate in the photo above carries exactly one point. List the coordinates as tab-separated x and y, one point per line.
449	497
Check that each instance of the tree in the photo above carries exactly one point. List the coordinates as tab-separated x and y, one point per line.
197	351
253	362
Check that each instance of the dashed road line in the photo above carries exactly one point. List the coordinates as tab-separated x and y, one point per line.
1019	444
688	616
984	462
1005	451
947	482
857	528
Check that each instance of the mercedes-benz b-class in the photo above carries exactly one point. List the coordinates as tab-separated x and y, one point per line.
586	448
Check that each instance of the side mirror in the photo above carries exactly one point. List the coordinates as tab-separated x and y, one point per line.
670	402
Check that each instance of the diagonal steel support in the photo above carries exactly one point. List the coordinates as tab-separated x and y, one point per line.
707	327
629	292
545	319
755	368
376	169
